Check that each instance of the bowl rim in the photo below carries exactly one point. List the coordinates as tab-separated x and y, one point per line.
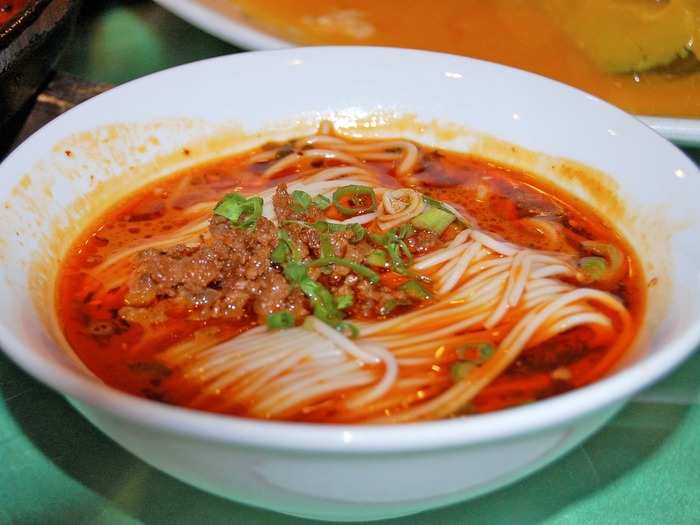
353	438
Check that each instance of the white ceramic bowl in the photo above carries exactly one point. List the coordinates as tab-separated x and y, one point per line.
80	162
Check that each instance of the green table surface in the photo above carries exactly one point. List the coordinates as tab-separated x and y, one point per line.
643	467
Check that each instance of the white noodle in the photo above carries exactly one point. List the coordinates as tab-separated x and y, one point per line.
359	219
391	370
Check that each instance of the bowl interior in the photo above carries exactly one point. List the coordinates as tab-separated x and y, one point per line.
77	165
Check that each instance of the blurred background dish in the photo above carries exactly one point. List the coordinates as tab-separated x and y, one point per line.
641	55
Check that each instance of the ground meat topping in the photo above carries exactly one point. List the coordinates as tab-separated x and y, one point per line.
222	277
231	275
422	241
287	210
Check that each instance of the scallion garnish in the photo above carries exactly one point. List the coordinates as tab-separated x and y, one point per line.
391	304
477	352
471	356
241	211
354	200
302	200
295	272
433	219
348	328
593	267
285	250
323	302
461	369
615	262
393	242
326	246
358	231
416	291
344	301
277	320
280	253
357	268
376	258
321	202
441	205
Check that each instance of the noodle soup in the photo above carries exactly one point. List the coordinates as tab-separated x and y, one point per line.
333	280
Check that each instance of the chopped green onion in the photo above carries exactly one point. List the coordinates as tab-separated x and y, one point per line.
403	231
231	206
376	258
416	291
613	256
433	219
436	204
280	253
344	301
295	272
326	246
441	205
393	242
477	353
286	249
461	369
277	320
348	328
359	269
406	251
356	200
388	307
391	304
328	227
397	263
595	268
322	300
357	230
321	202
242	212
301	199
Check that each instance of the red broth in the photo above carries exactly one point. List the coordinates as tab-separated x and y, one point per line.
501	200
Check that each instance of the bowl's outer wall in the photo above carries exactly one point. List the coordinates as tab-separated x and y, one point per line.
352	487
29	52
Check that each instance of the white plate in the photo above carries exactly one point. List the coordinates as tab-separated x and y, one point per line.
236	30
